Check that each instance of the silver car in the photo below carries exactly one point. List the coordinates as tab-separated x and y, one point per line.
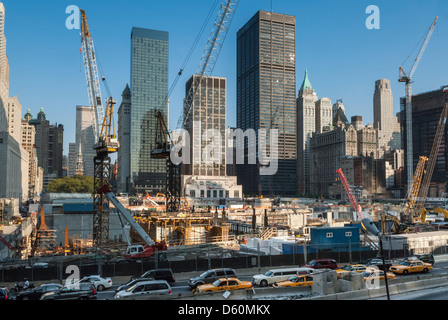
145	290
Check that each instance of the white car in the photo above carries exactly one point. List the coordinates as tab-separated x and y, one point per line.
143	290
99	283
276	275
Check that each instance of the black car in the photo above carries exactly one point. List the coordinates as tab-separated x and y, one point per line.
376	262
36	293
4	294
428	258
210	276
158	274
82	292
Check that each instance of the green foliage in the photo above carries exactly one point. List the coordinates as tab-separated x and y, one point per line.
76	184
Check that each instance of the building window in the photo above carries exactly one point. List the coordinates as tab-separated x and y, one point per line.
329	234
192	193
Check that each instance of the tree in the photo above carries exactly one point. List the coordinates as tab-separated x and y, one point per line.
76	184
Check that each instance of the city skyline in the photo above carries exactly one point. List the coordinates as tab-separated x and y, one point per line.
373	54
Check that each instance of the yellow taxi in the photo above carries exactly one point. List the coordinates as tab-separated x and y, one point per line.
351	268
224	284
296	281
414	266
372	274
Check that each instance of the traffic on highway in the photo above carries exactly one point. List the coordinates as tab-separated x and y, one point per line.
163	283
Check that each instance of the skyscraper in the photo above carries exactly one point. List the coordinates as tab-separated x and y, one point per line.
266	81
426	110
85	137
384	120
149	91
206	176
324	114
306	126
123	137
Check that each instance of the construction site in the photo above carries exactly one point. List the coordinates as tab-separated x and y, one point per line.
181	227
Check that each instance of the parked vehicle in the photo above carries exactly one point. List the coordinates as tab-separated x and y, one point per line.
145	289
406	267
83	291
224	284
428	258
99	282
296	281
211	276
276	275
158	274
36	293
322	264
4	294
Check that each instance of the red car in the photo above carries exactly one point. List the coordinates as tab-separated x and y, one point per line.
322	264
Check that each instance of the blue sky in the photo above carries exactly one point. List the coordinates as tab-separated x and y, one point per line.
342	56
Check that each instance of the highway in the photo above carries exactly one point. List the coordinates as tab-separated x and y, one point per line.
181	289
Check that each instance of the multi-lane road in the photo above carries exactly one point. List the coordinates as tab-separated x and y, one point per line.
180	287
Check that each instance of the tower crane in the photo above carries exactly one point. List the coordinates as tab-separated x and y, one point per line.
407	79
163	144
106	141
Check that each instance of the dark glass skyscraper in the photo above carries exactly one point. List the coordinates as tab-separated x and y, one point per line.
149	91
266	84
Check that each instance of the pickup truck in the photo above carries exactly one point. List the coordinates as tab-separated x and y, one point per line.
81	292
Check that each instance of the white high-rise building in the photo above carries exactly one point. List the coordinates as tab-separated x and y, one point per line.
206	176
14	159
306	126
85	137
384	120
324	114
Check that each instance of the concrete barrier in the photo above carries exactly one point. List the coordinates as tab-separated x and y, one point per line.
353	295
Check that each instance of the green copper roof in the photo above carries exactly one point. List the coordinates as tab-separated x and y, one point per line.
306	82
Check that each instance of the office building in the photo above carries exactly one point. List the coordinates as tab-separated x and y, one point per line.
206	176
124	127
426	110
306	126
324	115
266	82
384	121
85	137
149	92
327	149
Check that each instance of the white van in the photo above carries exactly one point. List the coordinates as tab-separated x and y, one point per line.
277	275
145	290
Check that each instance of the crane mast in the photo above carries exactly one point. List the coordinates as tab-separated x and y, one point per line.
210	55
414	189
407	79
163	143
92	77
